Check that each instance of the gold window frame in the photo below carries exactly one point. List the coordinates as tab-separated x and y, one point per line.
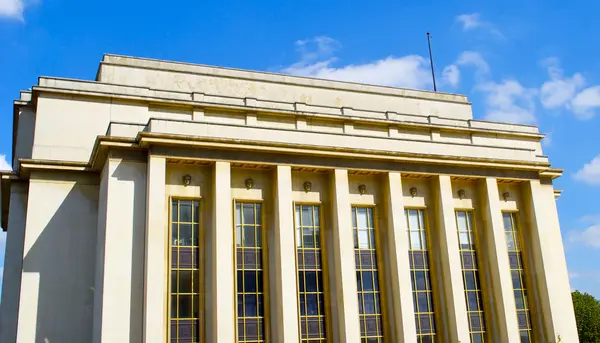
201	264
481	272
381	267
265	263
324	268
433	276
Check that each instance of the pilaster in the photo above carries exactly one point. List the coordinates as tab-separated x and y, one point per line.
550	267
220	325
344	275
399	265
285	301
155	271
497	254
456	308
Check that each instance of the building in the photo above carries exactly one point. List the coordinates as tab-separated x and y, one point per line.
171	202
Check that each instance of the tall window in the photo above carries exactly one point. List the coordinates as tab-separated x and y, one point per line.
367	276
185	271
470	271
311	289
518	276
249	279
420	276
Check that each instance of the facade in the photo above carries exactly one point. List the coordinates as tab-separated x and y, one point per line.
169	202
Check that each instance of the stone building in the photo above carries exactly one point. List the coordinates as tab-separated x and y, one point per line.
171	202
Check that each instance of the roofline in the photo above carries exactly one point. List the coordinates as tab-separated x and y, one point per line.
280	77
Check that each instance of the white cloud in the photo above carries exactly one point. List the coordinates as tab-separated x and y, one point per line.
590	172
470	21
475	59
451	75
4	165
317	60
547	140
586	102
509	101
589	236
473	21
559	90
12	9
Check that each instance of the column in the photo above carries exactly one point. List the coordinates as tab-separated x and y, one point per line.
220	306
13	264
399	265
550	267
456	308
497	254
284	320
344	273
120	251
155	291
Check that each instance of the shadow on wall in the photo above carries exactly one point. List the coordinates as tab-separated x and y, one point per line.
131	235
62	259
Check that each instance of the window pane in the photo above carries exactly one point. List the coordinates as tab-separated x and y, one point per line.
316	214
249	239
185	211
413	219
415	240
308	239
507	221
248	212
510	243
307	216
462	220
363	239
185	234
362	217
297	216
464	240
367	279
185	281
238	213
470	280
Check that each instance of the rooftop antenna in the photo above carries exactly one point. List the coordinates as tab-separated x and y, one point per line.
431	62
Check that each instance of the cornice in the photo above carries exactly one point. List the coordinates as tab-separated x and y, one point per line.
421	122
147	139
276	78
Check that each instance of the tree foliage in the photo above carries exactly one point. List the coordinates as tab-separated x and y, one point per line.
587	314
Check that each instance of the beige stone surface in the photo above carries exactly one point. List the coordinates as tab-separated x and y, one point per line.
98	162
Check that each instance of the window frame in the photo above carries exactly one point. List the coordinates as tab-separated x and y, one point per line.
518	228
381	267
481	270
265	263
201	264
433	276
324	268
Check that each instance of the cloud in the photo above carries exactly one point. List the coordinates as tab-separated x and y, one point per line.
589	236
586	102
317	60
4	165
451	75
547	140
475	59
559	90
590	172
12	9
509	101
473	21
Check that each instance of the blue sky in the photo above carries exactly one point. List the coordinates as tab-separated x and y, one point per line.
521	61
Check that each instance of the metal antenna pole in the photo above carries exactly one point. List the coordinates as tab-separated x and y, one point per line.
431	62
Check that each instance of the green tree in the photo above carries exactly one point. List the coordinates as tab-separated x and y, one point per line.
587	314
